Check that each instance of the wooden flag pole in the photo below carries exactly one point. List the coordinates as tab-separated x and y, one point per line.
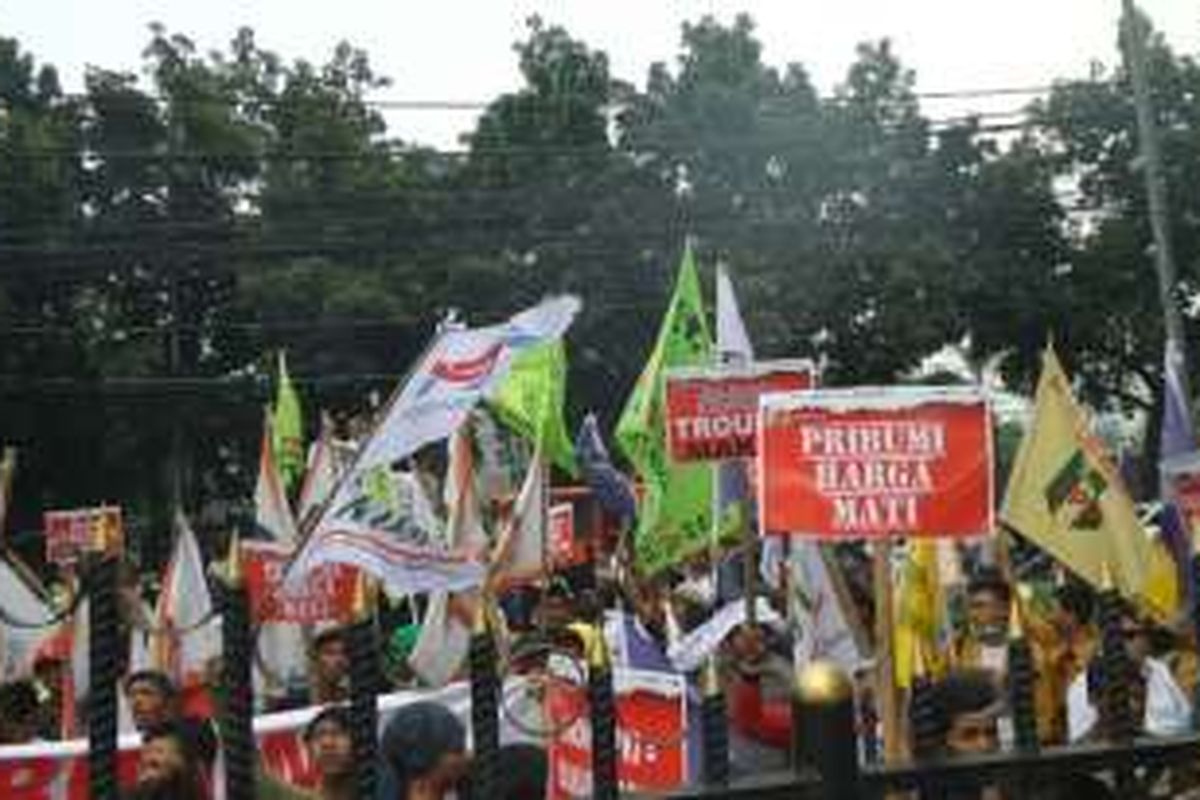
886	696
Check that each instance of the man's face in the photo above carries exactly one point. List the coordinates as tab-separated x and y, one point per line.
1137	640
972	733
332	748
148	705
988	614
333	662
160	761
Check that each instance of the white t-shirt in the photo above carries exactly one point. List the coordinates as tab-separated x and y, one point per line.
1167	709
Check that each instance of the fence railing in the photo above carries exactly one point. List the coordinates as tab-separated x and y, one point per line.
825	757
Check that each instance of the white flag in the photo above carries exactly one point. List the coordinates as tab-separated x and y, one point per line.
272	514
321	475
822	629
733	343
189	635
520	553
461	367
21	604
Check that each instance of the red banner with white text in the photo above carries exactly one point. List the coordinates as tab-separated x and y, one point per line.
651	735
327	593
876	462
712	412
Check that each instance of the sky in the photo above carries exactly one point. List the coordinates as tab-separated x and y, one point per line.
461	50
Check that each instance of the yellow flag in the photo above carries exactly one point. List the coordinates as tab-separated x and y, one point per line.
920	611
1066	496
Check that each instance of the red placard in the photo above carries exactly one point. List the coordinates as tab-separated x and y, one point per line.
326	594
876	462
712	413
566	550
651	744
71	533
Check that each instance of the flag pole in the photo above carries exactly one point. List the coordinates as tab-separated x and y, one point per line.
887	698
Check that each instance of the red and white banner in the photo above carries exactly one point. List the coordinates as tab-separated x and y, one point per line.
72	533
651	734
58	770
712	412
326	593
876	462
566	550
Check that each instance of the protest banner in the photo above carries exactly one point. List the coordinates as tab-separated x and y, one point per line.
651	741
71	533
712	412
326	593
58	770
876	462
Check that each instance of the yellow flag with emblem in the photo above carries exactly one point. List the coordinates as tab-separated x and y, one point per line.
1066	496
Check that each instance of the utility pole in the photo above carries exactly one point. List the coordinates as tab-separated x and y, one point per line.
1133	46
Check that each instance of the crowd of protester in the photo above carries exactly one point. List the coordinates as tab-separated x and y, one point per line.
423	749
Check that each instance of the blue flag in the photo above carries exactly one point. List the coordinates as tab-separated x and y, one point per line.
612	488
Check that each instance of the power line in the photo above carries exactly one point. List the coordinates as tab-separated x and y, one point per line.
450	104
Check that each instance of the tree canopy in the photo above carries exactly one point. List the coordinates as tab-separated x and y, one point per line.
162	234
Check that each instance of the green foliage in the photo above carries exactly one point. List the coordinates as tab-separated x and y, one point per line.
160	236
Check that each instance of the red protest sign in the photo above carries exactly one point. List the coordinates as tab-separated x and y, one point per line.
712	412
565	549
876	462
327	592
71	533
651	742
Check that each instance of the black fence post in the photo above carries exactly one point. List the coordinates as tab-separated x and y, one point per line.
1021	679
485	705
363	644
103	666
1115	669
825	737
715	729
237	717
603	706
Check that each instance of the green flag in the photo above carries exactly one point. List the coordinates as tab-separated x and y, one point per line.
675	513
287	437
530	401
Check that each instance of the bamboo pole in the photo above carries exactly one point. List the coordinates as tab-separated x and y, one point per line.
886	695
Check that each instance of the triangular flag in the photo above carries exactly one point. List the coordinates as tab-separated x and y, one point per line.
22	604
288	438
464	518
520	551
1065	494
188	634
321	476
612	488
733	343
733	475
1178	433
272	514
675	515
530	401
